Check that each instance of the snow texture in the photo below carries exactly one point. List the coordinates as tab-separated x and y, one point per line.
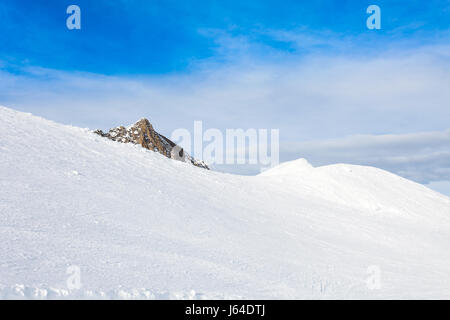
141	226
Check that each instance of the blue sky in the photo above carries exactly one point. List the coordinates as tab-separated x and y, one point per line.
157	37
337	91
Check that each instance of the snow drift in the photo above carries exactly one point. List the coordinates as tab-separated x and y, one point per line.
139	225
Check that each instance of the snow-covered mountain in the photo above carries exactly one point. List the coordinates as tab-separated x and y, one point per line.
143	134
139	225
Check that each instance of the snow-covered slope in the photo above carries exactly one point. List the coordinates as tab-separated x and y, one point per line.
139	225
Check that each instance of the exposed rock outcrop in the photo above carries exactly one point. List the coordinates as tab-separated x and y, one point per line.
142	133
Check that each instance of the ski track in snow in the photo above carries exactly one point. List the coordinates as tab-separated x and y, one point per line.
141	226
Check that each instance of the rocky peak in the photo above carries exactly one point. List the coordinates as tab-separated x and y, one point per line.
142	133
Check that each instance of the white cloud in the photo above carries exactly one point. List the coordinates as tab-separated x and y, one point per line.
423	157
321	97
307	98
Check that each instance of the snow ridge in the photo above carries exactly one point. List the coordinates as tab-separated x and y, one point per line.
129	218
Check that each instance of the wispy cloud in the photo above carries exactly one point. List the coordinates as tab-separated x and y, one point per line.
310	97
423	157
379	100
